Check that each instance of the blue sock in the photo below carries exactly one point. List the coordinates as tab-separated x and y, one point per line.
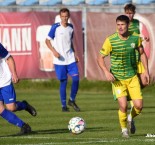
63	85
74	87
20	106
12	118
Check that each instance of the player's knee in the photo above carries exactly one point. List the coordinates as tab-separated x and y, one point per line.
75	77
63	80
11	108
1	109
139	106
138	110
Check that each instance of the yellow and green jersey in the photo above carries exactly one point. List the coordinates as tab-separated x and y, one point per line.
134	26
122	55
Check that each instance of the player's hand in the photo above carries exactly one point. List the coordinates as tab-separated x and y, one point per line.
15	78
76	58
56	54
109	76
145	79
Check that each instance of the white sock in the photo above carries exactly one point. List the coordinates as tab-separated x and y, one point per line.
129	117
124	129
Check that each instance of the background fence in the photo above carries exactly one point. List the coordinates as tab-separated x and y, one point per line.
91	19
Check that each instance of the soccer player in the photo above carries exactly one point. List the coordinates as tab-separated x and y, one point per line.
8	76
123	72
65	58
135	27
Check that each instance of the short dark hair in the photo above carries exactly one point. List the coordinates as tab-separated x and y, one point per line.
63	10
130	7
123	18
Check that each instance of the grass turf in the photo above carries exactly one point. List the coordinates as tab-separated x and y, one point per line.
98	109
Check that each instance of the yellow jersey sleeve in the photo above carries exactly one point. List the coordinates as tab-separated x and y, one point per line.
140	41
140	67
106	48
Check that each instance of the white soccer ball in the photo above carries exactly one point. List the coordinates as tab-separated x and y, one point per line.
76	125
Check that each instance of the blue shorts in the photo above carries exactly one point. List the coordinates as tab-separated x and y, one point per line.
63	70
8	94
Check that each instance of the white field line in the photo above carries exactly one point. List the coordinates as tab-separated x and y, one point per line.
85	140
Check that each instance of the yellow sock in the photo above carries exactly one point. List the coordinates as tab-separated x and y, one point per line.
122	119
134	112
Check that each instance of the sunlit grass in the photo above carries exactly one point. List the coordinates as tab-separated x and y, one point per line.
98	109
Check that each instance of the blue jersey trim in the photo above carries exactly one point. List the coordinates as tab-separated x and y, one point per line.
3	51
53	29
51	33
70	25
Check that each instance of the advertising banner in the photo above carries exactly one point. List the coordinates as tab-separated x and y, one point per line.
23	34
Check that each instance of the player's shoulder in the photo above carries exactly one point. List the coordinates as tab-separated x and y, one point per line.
70	25
3	51
55	25
2	47
135	20
134	34
114	35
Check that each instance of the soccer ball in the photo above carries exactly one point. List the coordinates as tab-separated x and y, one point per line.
76	125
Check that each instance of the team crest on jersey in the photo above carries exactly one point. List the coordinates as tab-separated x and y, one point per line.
118	91
133	45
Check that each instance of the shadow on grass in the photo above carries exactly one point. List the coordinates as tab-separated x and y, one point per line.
138	135
58	131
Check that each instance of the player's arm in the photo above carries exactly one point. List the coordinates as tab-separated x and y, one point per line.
11	64
50	46
49	39
73	48
102	65
106	48
75	54
144	61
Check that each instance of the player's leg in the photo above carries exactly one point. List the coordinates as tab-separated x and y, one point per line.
11	117
138	105
61	73
74	73
136	96
122	113
120	92
142	79
12	104
136	110
143	84
63	95
131	106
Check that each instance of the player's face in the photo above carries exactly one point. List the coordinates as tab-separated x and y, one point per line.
130	14
122	27
64	17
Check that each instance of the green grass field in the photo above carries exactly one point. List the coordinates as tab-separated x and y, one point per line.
98	109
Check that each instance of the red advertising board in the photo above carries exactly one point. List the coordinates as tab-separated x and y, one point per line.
23	34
